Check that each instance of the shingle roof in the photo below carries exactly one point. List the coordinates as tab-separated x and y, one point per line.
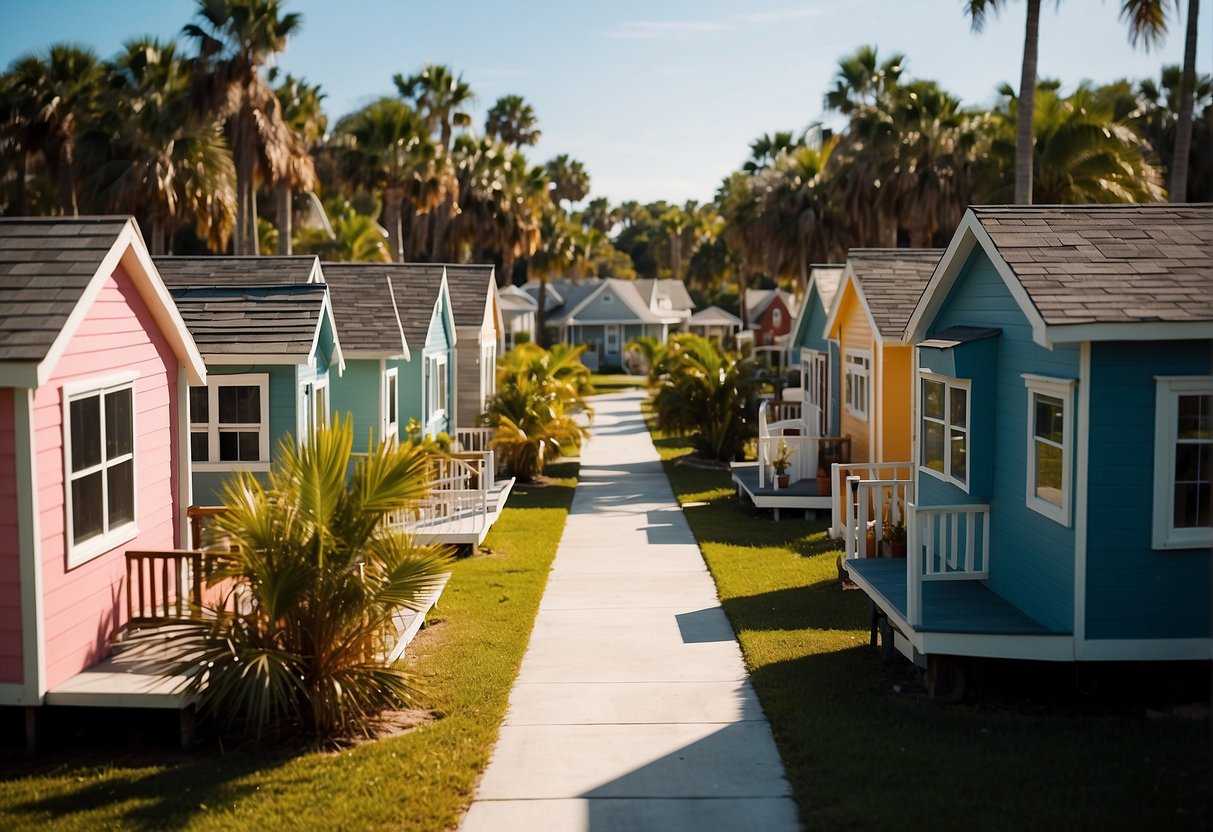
256	320
892	281
417	286
242	271
757	301
1109	263
364	308
826	278
675	290
468	286
45	266
714	316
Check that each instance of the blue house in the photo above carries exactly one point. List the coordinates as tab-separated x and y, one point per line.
816	355
1063	442
267	335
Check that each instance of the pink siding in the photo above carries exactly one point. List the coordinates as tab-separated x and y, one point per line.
10	565
83	606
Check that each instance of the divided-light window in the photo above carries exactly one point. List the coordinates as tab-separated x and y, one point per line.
229	422
1049	446
1183	463
945	428
857	370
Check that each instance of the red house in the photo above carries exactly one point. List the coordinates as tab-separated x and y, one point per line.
770	313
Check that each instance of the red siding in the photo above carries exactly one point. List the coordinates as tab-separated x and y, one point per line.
10	564
83	606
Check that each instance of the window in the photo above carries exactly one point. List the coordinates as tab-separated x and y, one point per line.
1183	463
945	428
436	370
1049	446
776	318
814	381
389	410
856	380
229	423
99	463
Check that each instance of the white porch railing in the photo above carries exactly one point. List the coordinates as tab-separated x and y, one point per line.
867	506
796	433
840	472
473	440
452	512
944	543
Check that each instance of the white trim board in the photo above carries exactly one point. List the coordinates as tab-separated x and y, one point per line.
29	544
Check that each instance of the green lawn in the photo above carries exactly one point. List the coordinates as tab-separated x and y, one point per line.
607	383
865	748
422	780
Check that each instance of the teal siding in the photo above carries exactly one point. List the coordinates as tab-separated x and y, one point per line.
412	391
1134	591
835	386
355	394
812	326
439	340
1032	556
977	362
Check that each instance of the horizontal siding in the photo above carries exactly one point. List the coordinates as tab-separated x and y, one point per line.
854	332
83	606
1134	591
896	369
467	372
355	394
1032	556
10	554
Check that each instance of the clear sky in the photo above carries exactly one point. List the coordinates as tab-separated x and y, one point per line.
659	99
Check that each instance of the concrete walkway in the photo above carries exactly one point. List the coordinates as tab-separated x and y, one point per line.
632	710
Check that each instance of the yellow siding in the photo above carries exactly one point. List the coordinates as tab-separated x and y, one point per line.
895	390
854	333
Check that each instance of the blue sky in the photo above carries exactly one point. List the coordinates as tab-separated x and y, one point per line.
658	99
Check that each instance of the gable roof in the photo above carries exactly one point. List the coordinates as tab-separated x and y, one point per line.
243	270
758	300
1092	272
823	280
674	290
516	299
714	316
473	290
419	288
888	283
51	269
365	310
625	290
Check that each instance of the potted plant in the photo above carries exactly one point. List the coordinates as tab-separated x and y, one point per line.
781	463
895	534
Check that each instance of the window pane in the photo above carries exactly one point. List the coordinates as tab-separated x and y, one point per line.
250	446
229	446
959	450
1048	418
86	508
1195	417
199	447
118	438
200	405
85	415
932	399
121	493
1048	473
932	446
392	399
1187	461
957	407
322	406
239	405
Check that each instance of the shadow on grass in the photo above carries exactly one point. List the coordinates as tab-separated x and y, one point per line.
820	606
548	494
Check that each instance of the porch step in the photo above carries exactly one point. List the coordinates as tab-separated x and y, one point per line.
409	622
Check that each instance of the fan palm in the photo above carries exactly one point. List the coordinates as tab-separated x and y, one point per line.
513	121
357	238
319	573
863	79
569	179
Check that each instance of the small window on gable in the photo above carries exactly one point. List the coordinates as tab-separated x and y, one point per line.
945	429
776	317
1183	463
1050	446
608	298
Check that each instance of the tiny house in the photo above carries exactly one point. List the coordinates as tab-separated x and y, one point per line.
427	382
95	368
770	313
816	355
480	327
1064	427
518	313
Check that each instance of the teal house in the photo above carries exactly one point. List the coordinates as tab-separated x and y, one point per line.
1063	443
377	355
265	329
816	355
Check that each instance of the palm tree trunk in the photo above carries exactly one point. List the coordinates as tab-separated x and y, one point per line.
285	224
157	235
393	199
1183	125
19	208
67	181
541	314
1027	107
507	267
442	218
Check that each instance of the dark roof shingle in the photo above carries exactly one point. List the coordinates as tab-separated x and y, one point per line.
892	280
251	320
416	286
364	307
243	271
468	286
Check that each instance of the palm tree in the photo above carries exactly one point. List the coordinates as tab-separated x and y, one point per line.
386	147
513	121
301	110
1183	127
1157	105
862	78
357	238
569	179
319	571
235	39
53	99
159	159
1146	24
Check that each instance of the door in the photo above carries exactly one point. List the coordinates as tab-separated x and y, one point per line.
815	380
612	343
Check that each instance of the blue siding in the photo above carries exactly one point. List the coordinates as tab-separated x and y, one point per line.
355	394
835	386
812	326
1134	591
1032	556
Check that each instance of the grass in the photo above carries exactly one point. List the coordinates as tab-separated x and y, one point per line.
608	383
422	780
864	747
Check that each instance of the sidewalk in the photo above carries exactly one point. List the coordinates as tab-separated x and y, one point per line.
632	710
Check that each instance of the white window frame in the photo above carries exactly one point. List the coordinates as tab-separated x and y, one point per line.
611	330
78	554
776	318
213	463
1168	389
815	380
488	372
438	381
389	428
855	371
1057	388
949	384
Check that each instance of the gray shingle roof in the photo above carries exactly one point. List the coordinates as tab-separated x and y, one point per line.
45	265
256	320
468	286
757	301
1109	263
892	280
244	271
675	290
364	308
714	316
417	287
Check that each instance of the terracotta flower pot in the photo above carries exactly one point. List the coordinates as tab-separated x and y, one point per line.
781	480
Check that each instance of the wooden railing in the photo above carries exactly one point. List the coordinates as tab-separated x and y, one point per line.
198	515
868	505
945	543
162	586
841	471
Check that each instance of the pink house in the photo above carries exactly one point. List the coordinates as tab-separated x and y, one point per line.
94	367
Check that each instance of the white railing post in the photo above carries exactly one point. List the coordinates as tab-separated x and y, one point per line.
913	568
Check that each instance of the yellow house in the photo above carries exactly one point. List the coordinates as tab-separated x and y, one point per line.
880	288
